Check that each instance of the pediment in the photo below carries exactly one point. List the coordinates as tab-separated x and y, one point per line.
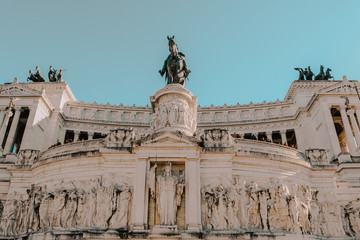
18	90
169	139
344	87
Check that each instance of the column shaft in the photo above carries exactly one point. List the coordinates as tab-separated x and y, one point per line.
283	136
269	135
354	126
348	131
76	135
4	126
332	131
2	116
11	137
28	141
90	135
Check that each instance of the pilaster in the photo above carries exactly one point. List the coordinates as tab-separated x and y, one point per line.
192	195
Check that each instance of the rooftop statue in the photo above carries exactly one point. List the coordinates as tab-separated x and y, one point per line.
321	75
175	68
308	73
37	77
328	74
55	75
51	74
301	73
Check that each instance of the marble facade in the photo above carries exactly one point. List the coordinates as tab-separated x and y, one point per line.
175	170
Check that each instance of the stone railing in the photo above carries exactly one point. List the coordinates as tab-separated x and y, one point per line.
251	148
108	113
72	149
246	113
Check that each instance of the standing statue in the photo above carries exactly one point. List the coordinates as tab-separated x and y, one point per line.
51	74
321	75
175	67
168	193
58	75
55	75
301	73
308	73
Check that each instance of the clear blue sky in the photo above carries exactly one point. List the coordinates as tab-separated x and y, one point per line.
238	51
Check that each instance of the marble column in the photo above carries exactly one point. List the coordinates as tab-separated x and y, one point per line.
192	195
90	135
5	125
299	139
53	128
28	141
2	115
138	220
283	136
76	135
348	131
12	132
358	113
331	129
355	126
269	135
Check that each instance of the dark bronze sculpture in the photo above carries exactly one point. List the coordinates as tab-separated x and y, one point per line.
37	77
308	73
175	67
328	74
321	75
51	74
55	75
301	73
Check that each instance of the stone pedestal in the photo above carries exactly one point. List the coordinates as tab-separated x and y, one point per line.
176	107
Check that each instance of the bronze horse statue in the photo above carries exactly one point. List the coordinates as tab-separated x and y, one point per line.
321	75
175	67
328	74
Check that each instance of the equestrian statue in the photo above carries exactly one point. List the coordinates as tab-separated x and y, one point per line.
175	67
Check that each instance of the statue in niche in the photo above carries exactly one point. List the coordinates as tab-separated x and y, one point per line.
168	194
175	67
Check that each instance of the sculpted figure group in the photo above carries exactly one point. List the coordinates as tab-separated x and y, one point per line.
88	206
27	157
307	74
120	138
171	113
54	75
275	208
216	138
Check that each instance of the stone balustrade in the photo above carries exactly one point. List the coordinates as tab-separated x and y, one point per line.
70	150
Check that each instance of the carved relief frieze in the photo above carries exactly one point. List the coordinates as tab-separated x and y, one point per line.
120	138
68	205
27	157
